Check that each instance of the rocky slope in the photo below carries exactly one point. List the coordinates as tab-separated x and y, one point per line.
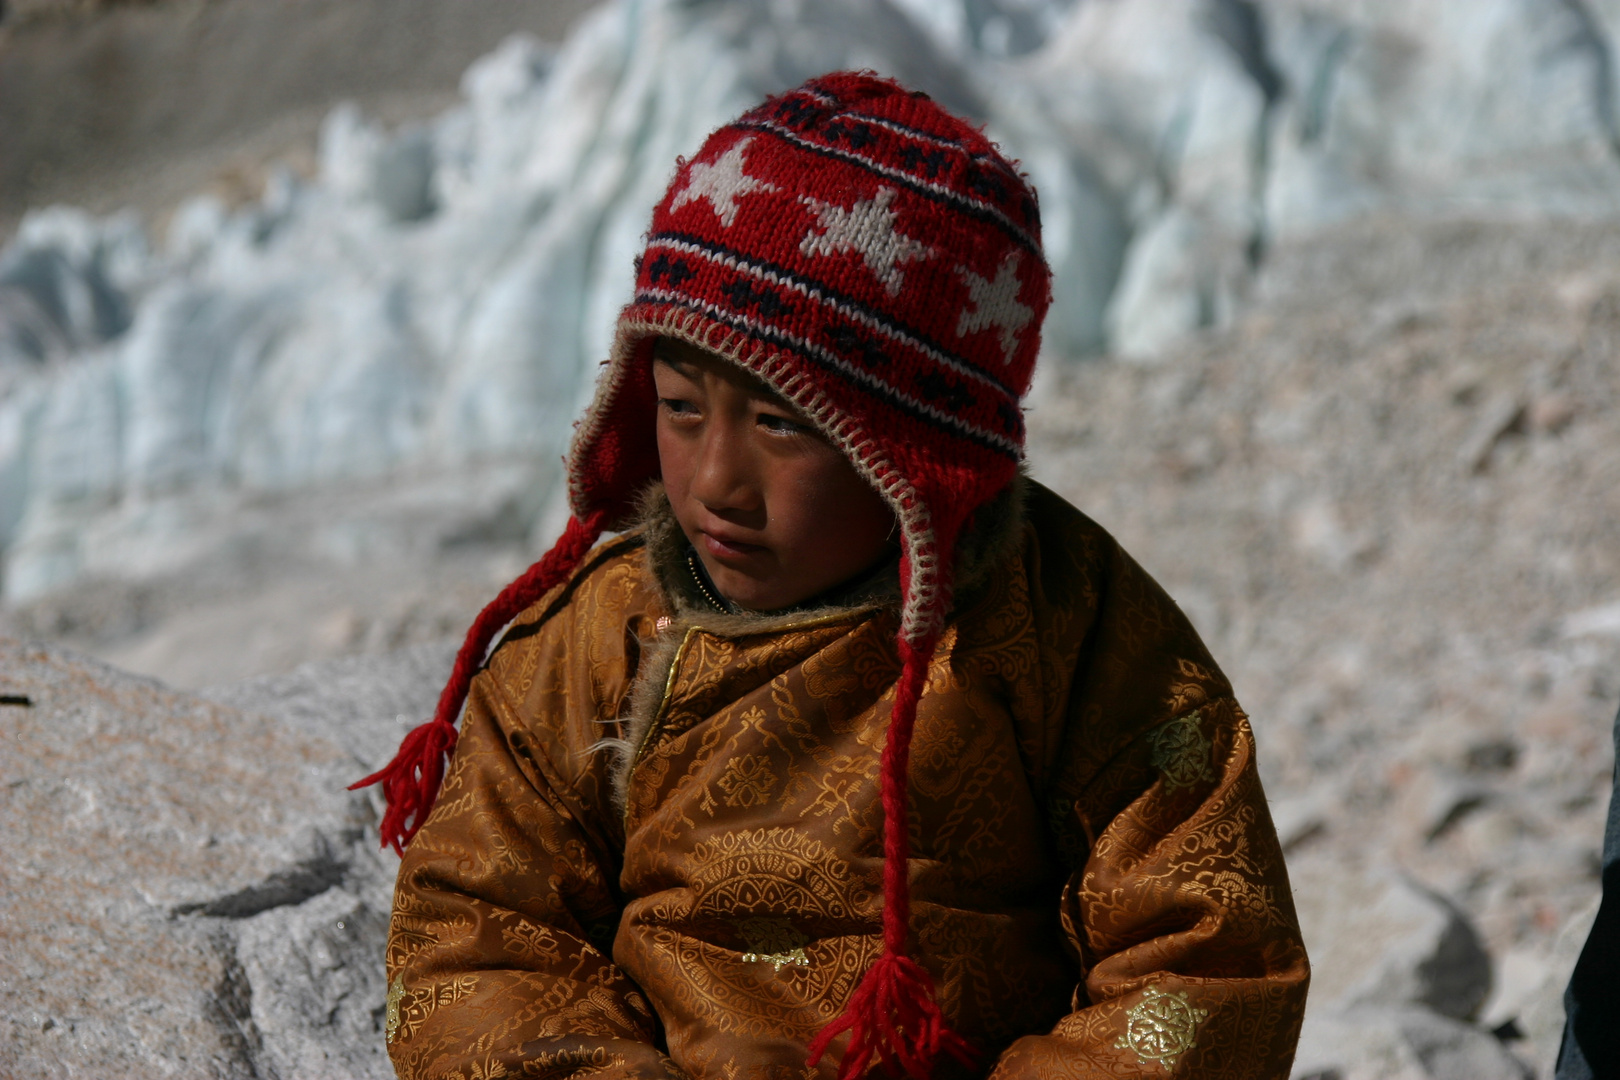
188	890
1389	498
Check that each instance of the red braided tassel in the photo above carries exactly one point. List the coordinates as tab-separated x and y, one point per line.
411	781
892	1015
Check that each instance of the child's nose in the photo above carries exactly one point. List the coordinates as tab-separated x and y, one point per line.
726	476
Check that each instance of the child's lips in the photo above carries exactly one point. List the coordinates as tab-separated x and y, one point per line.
727	548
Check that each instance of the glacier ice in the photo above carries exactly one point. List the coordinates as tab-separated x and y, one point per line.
431	304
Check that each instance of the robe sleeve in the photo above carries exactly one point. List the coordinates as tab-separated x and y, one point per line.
1177	907
504	914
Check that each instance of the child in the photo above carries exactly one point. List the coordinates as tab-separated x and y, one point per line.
855	747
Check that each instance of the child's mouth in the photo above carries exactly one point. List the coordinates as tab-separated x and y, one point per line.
725	548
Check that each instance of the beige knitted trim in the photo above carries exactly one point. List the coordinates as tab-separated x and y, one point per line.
923	614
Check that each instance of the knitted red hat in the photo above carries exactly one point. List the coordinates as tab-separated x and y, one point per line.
877	262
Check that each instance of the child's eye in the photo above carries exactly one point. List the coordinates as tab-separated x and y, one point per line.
677	406
781	425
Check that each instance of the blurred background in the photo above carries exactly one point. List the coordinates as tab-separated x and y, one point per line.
298	299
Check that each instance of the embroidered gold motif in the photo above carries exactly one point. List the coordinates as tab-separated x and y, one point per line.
415	1009
533	944
773	941
748	780
488	1069
396	993
1161	1027
1181	753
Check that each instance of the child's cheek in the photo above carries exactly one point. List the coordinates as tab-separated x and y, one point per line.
671	459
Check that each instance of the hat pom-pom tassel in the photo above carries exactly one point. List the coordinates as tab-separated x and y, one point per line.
892	1016
411	781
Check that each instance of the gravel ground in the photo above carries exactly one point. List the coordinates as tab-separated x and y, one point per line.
1390	499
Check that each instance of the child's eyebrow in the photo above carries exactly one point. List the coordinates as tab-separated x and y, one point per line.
685	367
758	387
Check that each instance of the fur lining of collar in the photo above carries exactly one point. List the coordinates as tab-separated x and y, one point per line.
991	538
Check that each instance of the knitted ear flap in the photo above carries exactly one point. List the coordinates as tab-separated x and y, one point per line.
411	781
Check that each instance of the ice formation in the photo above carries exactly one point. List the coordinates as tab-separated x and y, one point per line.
436	299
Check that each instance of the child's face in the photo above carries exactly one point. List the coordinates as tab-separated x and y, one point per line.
776	513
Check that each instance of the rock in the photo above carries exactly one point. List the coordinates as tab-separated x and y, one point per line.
1540	1014
1520	977
188	888
318	987
364	703
1380	939
1300	819
1500	417
1603	620
1450	802
1319	531
1450	1050
1370	1043
319	1003
1553	412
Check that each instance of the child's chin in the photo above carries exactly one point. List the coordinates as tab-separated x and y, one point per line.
755	594
752	599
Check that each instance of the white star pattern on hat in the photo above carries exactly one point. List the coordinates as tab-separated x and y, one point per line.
995	303
721	183
866	227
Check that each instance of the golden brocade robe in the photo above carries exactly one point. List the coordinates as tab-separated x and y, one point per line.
657	851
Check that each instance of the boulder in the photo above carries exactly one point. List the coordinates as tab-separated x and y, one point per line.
364	703
1372	1043
1398	971
1539	1011
186	887
1378	938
